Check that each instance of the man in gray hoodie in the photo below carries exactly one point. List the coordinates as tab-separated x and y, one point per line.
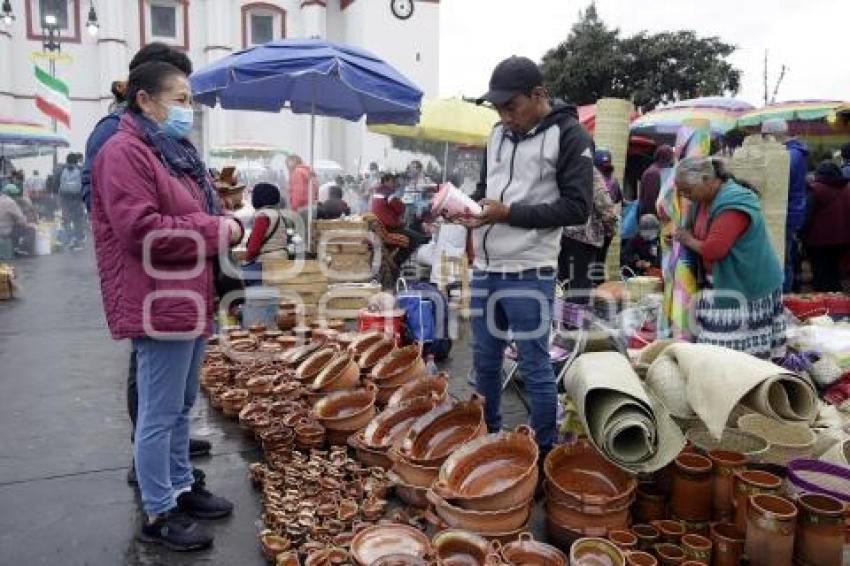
537	178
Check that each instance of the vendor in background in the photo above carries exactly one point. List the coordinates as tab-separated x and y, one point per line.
268	238
302	182
727	230
642	254
602	162
23	236
334	206
827	232
12	220
650	181
389	208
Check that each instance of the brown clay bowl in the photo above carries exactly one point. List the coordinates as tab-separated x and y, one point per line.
273	544
348	410
579	477
361	342
313	364
439	432
456	547
563	537
526	550
592	550
411	472
233	400
339	437
374	353
400	560
393	422
373	543
491	472
260	385
410	494
368	456
427	386
481	522
339	373
399	367
576	519
295	356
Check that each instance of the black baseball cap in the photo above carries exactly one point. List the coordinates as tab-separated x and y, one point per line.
513	76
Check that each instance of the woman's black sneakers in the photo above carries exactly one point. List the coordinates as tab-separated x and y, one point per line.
176	531
199	503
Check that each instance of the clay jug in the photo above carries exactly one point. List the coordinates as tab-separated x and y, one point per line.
820	535
691	497
751	482
728	543
726	463
771	522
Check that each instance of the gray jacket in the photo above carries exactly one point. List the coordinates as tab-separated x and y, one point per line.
10	215
546	177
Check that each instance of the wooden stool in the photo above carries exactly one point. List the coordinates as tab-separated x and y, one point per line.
456	267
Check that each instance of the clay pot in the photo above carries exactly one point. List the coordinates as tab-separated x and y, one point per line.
378	541
288	558
624	540
374	353
367	455
456	547
697	547
492	472
400	560
260	385
314	364
413	473
439	432
564	537
650	504
233	400
692	487
295	356
428	387
726	463
348	410
586	517
482	522
361	342
770	530
580	478
592	551
820	535
526	550
747	483
728	543
669	554
647	536
640	558
392	423
273	545
670	531
399	367
410	494
339	373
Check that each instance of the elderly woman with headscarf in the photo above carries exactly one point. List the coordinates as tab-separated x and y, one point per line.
740	301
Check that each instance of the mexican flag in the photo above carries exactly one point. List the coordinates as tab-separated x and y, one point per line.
51	97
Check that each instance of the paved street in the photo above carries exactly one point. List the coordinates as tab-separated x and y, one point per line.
64	433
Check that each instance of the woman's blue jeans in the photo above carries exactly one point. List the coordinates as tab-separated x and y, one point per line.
167	379
522	304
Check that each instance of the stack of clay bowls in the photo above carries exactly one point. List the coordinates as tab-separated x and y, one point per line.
417	457
426	386
343	413
339	373
487	485
388	428
586	495
397	368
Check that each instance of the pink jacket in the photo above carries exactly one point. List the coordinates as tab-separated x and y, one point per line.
138	205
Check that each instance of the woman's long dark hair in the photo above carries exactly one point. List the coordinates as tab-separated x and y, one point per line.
151	78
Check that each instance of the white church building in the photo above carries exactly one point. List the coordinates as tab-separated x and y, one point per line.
405	33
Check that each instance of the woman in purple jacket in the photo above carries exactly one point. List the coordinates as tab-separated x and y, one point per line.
157	228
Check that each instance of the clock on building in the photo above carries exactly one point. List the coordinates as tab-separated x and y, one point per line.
402	9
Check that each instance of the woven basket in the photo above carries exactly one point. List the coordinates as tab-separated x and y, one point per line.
787	441
750	445
818	477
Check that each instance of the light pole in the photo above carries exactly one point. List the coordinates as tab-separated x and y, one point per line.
52	43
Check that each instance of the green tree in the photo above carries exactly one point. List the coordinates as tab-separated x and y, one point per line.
649	69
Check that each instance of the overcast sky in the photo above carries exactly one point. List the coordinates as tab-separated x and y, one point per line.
809	36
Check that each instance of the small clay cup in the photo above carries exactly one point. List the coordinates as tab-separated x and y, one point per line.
640	558
670	531
622	539
771	522
647	535
669	554
820	530
692	487
728	544
697	547
751	482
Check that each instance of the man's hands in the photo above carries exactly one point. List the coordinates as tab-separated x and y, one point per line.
494	212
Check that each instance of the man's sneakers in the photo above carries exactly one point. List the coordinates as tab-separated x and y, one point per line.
199	503
198	447
176	531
